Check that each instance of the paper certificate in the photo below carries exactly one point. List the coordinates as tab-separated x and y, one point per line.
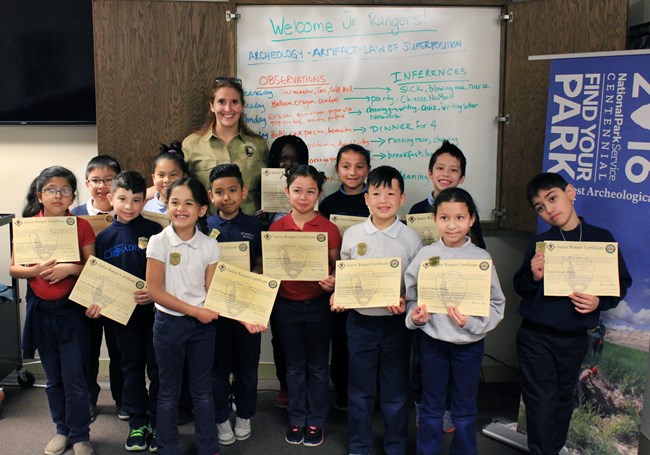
589	267
296	256
42	238
274	199
98	222
463	283
160	218
345	221
236	253
109	287
424	225
238	294
368	283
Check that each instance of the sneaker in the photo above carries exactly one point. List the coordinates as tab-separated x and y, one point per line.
341	404
57	445
295	435
122	414
226	436
313	436
448	424
242	429
83	448
282	399
137	440
153	445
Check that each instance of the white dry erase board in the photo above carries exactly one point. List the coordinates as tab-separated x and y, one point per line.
396	80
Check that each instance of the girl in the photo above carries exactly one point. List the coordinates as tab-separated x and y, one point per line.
168	167
53	324
302	316
286	152
180	263
352	167
454	345
226	138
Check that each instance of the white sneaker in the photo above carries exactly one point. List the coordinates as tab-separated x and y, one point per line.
226	436
57	445
242	429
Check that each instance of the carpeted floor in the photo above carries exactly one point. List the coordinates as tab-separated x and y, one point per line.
25	425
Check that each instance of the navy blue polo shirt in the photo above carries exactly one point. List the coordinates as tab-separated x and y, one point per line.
241	227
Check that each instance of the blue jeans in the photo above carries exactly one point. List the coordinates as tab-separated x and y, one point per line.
174	339
378	349
237	351
63	350
305	327
442	361
135	341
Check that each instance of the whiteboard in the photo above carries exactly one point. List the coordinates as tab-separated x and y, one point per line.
398	81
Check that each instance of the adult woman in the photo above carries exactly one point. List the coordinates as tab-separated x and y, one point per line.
226	138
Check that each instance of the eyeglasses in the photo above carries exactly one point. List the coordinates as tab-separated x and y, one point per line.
234	80
65	192
97	182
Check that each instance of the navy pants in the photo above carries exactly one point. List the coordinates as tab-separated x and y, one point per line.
279	359
441	362
135	341
236	351
339	363
62	346
549	364
98	329
174	339
305	328
378	349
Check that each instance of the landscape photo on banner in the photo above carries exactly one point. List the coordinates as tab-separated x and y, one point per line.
598	139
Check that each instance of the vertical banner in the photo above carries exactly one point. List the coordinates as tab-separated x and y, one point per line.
598	139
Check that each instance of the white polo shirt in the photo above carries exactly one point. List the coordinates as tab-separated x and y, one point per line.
185	264
398	240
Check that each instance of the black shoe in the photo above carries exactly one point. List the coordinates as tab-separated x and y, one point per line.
93	413
313	436
295	435
122	414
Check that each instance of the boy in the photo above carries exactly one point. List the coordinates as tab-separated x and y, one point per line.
124	245
238	349
378	340
553	338
447	170
100	173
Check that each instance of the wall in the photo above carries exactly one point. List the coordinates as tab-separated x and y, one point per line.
26	150
639	12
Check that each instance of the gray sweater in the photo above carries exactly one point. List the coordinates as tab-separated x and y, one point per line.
440	326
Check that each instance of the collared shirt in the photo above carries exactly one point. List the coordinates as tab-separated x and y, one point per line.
155	205
251	153
397	240
87	209
241	227
185	264
304	290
